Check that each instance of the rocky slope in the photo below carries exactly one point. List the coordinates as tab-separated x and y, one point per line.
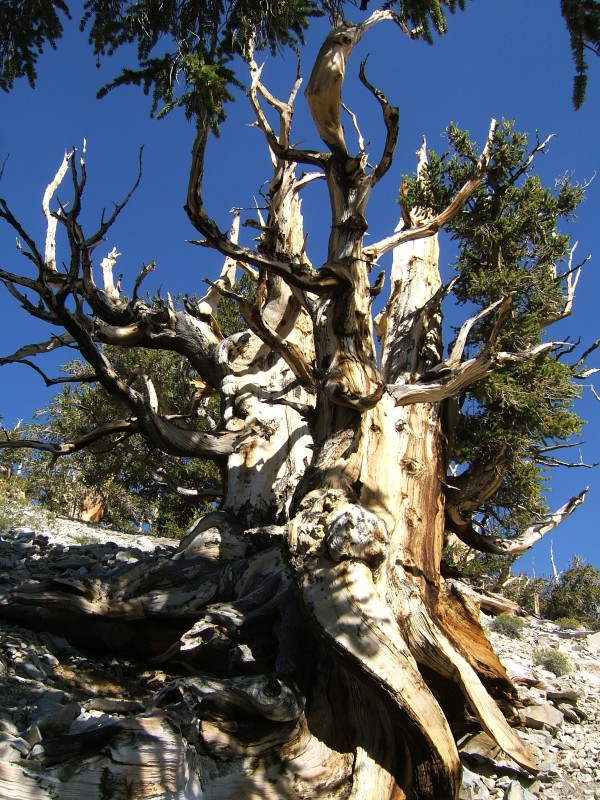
49	688
560	720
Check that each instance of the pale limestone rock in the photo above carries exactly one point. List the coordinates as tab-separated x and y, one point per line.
593	641
473	787
545	717
480	746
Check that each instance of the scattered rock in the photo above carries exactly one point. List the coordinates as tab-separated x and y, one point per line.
473	787
593	641
562	715
517	792
546	717
479	747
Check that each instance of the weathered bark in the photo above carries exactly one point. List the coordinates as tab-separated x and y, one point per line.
314	647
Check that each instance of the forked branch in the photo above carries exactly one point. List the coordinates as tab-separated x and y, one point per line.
571	279
298	274
432	226
451	377
84	378
324	89
117	426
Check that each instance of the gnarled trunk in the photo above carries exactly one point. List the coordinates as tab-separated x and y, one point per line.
314	648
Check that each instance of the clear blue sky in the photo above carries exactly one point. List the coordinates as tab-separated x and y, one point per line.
501	58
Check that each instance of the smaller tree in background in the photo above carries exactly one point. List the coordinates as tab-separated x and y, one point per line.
119	478
575	594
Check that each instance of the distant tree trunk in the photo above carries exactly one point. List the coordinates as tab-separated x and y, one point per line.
92	508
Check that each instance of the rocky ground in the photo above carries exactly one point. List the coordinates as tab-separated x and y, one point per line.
48	687
560	720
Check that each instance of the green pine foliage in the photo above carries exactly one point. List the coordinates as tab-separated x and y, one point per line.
186	49
571	600
552	660
509	243
582	18
25	27
123	469
507	625
575	594
568	624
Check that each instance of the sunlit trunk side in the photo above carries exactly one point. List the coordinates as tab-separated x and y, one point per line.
259	387
441	627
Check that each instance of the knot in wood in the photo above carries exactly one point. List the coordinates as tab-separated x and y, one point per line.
355	533
355	223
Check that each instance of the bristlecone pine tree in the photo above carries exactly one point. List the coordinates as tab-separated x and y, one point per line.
320	651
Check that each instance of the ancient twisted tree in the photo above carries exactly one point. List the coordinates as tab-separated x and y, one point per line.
317	647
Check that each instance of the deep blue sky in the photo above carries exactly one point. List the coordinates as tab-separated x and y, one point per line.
501	58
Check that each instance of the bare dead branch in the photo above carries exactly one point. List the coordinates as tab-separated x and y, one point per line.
279	147
583	373
558	446
587	373
33	255
20	280
307	178
105	225
391	119
300	275
38	310
550	461
457	379
208	304
539	148
51	219
431	226
461	340
525	540
146	270
78	180
354	118
284	109
107	266
85	378
571	279
34	349
58	449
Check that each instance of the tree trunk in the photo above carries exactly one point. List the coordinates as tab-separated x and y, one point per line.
314	649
